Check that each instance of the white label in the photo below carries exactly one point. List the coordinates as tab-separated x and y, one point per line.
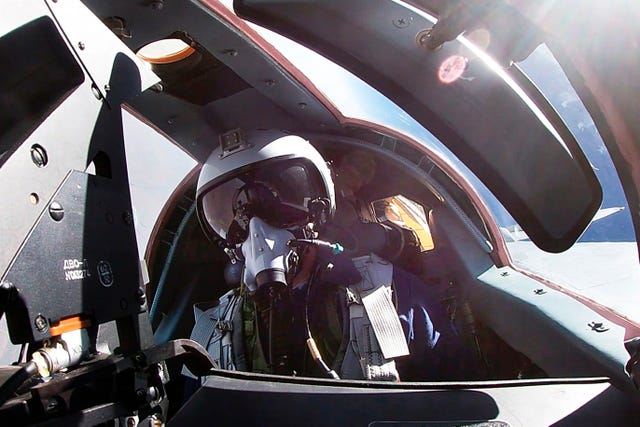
75	269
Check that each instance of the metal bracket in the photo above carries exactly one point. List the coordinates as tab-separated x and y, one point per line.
232	142
52	401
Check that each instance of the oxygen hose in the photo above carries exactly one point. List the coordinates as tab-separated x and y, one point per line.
169	260
311	344
274	315
14	382
315	354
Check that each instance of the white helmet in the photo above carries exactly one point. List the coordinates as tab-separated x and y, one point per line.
267	174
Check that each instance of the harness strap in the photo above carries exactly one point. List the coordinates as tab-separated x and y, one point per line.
375	332
217	330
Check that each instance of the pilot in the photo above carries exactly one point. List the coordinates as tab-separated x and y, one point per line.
300	305
436	351
361	228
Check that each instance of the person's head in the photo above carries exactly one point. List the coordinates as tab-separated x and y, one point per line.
356	169
255	190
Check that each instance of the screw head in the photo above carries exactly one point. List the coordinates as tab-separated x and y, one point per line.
401	22
81	45
56	211
41	323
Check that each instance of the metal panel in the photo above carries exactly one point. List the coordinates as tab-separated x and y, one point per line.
80	259
84	125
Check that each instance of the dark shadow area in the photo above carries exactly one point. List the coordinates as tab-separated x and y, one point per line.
611	408
227	400
101	165
110	241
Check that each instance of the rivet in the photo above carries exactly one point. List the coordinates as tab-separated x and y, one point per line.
270	82
34	198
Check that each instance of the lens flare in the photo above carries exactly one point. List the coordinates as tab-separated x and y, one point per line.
452	69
